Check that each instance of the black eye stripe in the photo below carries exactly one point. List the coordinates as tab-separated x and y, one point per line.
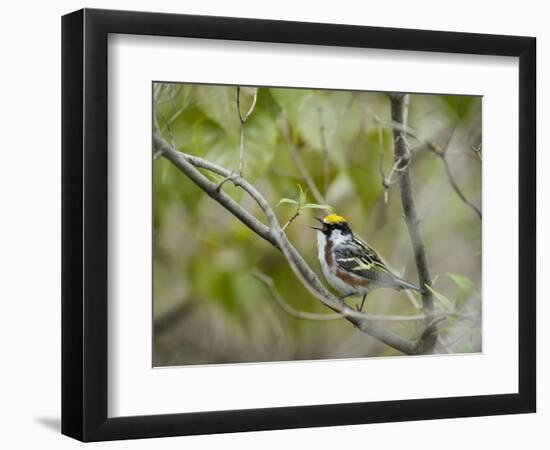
338	226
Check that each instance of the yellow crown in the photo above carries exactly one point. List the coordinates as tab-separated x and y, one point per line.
334	218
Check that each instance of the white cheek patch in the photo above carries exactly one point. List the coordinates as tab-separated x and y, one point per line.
338	237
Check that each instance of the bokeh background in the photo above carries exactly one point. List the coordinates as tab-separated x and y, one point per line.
208	307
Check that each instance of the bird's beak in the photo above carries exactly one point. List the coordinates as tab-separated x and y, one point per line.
322	223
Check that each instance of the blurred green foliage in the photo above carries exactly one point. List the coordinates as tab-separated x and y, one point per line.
208	307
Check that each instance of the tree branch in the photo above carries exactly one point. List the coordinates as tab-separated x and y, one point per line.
399	111
367	323
185	164
188	165
272	289
439	152
270	286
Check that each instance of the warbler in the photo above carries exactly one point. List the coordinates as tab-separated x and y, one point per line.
349	264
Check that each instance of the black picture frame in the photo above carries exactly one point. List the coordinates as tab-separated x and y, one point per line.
84	224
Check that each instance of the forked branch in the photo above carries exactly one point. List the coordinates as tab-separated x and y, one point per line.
440	152
273	234
402	153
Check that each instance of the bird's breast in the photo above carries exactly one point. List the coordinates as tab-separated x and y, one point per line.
324	253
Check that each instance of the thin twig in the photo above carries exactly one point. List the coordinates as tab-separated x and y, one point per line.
173	117
210	188
397	168
297	158
409	132
477	151
443	156
289	221
399	111
438	151
243	120
270	286
457	190
167	127
276	236
189	164
385	182
324	148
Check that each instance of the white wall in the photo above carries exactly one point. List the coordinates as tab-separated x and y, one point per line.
30	221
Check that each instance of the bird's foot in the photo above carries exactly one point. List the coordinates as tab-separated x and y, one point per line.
342	298
360	307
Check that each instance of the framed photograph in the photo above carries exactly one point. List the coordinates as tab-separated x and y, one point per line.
273	224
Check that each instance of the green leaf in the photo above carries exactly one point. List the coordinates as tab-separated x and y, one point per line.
448	304
321	120
461	106
287	200
302	201
291	100
317	206
303	196
219	103
205	122
464	283
363	166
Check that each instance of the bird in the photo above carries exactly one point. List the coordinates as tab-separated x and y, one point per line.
349	264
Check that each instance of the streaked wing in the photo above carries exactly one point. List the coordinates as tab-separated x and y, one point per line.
360	258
